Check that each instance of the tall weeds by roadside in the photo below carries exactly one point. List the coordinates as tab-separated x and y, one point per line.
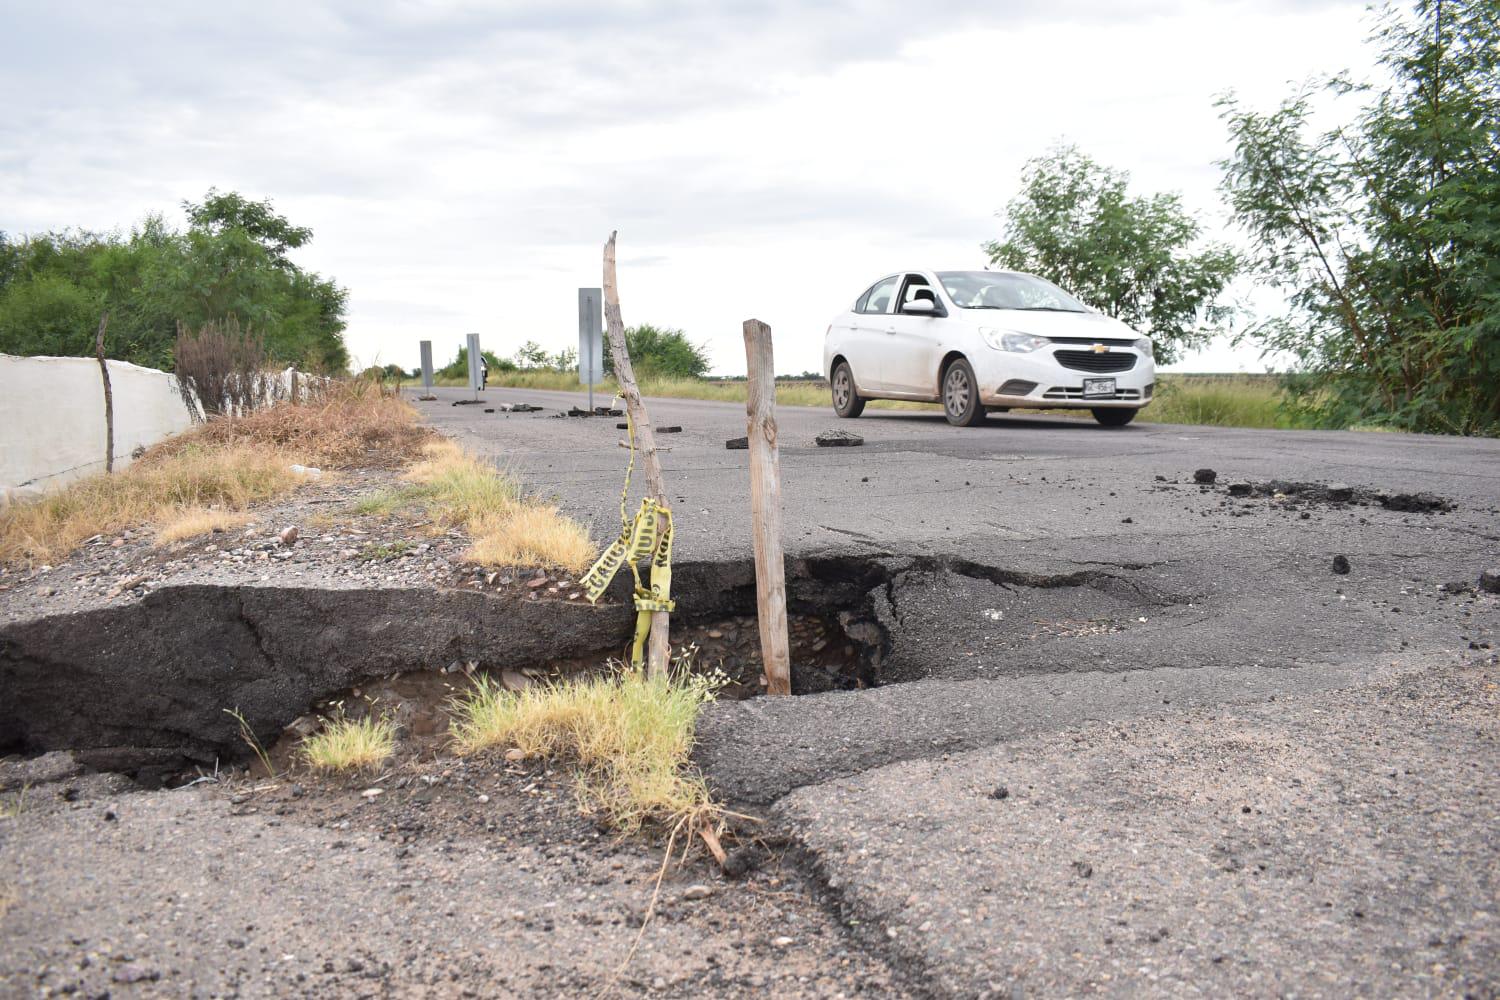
221	466
629	735
221	368
352	423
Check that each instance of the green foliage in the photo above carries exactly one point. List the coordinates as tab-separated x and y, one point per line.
660	352
458	368
388	373
534	357
1136	258
1385	234
229	263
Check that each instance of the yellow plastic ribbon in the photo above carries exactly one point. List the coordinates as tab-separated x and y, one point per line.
648	535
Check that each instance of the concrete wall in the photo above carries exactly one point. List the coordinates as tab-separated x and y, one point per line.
52	418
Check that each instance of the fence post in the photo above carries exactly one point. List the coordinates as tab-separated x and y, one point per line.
109	397
765	507
659	648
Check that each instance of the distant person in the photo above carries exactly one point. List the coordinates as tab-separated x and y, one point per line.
484	374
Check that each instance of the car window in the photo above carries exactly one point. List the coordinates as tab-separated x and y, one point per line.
878	298
917	287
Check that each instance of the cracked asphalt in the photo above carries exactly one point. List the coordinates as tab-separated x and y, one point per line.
1137	735
1131	735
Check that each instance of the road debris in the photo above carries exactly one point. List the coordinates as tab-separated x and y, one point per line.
838	439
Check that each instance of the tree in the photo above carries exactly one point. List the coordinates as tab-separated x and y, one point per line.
458	368
230	212
1137	258
229	263
1385	233
661	352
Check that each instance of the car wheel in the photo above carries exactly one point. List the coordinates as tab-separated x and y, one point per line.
846	402
961	395
1113	416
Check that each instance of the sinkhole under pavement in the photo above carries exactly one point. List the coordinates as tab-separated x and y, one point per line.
145	687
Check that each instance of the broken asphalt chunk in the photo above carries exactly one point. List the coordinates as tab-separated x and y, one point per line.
737	444
1205	476
838	439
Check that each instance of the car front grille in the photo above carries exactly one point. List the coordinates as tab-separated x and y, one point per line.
1090	361
1062	392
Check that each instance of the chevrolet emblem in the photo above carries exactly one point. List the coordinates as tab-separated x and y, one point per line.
1101	348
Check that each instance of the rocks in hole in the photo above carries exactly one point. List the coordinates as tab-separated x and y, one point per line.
1340	565
1489	581
1207	477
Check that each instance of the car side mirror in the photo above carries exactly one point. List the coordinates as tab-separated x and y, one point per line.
920	307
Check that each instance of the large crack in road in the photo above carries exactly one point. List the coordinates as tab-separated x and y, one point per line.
1081	726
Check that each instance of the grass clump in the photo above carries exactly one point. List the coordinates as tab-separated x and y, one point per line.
344	745
190	522
225	464
193	477
507	529
382	551
629	735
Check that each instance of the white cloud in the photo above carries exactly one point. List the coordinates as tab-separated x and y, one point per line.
461	167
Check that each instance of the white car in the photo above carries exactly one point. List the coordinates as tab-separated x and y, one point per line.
977	341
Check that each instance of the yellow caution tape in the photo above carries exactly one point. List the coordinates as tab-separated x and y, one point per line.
648	535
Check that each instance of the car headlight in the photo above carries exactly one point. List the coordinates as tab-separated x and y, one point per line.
1145	347
1010	340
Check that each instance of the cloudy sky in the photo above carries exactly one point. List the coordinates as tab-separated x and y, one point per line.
461	164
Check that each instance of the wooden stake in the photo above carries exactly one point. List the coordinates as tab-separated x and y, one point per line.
659	648
765	507
109	397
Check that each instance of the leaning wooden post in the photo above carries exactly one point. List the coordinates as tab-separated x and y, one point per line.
109	397
765	507
658	652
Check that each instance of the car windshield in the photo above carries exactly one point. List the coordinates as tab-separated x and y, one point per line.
1006	290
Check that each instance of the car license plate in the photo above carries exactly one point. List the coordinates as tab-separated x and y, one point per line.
1093	388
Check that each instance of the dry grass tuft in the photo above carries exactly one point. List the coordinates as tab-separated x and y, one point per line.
195	476
460	490
353	423
190	522
629	734
227	464
350	745
532	534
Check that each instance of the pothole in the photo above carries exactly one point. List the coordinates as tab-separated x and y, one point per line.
146	687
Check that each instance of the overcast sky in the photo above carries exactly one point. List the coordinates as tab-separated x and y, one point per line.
461	164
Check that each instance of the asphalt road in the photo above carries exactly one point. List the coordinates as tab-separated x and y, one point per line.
1227	767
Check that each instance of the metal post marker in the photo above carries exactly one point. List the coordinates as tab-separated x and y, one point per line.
590	338
474	362
426	368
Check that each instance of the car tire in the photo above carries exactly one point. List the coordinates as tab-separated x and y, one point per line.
1112	416
961	395
846	401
